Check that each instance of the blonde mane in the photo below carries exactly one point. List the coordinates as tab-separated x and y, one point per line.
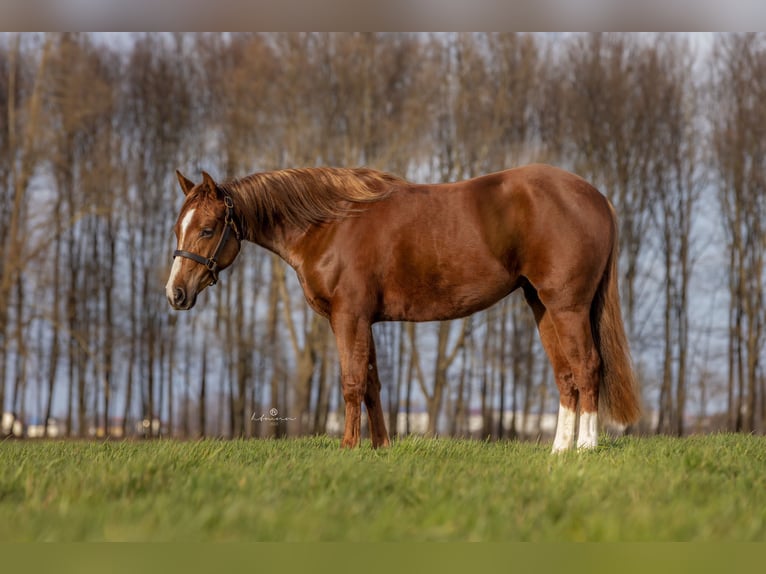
306	196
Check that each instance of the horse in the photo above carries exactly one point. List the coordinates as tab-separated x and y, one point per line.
368	246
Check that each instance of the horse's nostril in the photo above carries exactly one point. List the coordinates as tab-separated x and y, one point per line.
179	296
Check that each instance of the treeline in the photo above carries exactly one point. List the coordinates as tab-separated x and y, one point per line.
92	127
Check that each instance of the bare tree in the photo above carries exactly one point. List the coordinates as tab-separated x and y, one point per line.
739	130
678	181
609	139
22	155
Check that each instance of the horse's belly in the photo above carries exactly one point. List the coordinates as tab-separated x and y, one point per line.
445	296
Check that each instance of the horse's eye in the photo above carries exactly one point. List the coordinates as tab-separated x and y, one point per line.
207	232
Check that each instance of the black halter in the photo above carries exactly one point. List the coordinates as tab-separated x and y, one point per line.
211	263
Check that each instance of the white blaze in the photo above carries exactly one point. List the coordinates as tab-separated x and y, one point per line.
185	222
565	429
587	436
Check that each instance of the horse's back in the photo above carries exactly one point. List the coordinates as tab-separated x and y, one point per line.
528	212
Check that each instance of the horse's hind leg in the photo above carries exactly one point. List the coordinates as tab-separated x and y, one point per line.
375	416
568	394
573	331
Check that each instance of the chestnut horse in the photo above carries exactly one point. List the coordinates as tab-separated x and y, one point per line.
368	246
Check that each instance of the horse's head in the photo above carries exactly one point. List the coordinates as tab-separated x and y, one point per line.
208	240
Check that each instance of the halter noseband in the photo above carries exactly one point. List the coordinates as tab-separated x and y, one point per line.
211	263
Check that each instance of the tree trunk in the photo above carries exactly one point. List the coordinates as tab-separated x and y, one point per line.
501	368
202	400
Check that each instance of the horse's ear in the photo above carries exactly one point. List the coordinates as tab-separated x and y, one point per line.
186	184
208	181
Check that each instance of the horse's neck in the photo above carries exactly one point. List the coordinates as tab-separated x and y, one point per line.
279	239
281	231
276	238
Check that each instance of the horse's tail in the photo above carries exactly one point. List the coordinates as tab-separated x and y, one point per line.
618	390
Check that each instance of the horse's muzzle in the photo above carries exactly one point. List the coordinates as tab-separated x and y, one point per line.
180	300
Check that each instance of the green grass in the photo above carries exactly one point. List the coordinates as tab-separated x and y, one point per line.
700	488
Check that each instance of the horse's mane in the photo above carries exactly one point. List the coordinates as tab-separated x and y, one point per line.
306	196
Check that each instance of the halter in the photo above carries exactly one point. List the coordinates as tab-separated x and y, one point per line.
211	263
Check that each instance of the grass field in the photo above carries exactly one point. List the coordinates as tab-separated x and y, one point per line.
700	488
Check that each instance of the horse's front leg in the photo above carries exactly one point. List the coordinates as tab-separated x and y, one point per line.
352	335
378	432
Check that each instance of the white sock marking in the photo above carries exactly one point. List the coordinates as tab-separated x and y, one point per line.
587	437
565	429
